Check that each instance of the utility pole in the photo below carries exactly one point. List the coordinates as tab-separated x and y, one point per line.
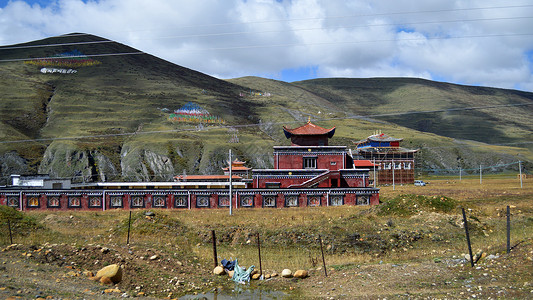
480	176
374	163
393	167
230	186
460	173
520	170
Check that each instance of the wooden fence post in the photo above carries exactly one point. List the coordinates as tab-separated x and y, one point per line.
508	229
323	259
259	249
468	238
129	225
10	235
215	258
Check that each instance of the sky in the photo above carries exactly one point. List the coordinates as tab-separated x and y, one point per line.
472	42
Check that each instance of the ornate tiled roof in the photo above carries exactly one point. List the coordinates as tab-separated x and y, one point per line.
387	150
308	129
205	177
362	163
382	137
237	165
379	137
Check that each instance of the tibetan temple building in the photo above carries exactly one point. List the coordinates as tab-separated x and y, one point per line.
393	162
307	173
312	172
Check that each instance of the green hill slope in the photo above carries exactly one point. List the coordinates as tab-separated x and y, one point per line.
377	96
107	117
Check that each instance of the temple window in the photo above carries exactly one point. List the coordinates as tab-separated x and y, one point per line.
159	201
247	201
95	201
223	201
336	200
309	162
74	201
363	200
291	200
33	201
53	201
116	201
273	185
313	200
180	201
202	201
137	201
13	201
269	201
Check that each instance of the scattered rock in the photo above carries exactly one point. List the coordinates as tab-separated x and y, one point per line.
149	214
274	274
154	257
267	276
301	274
219	270
230	274
104	250
106	280
286	273
88	274
256	276
112	272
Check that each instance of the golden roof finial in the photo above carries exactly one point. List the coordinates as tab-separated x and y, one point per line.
309	119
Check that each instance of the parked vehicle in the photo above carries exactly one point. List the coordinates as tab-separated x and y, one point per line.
420	183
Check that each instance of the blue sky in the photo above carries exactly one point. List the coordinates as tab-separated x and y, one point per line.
477	42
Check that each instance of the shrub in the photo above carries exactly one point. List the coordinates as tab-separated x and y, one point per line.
407	205
20	223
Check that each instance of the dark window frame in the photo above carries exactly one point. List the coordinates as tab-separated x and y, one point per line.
89	204
69	203
198	197
309	162
116	197
291	196
309	198
48	198
181	197
155	197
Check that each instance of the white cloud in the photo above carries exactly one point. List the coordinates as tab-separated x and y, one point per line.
452	40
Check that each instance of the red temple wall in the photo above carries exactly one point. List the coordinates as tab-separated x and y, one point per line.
295	162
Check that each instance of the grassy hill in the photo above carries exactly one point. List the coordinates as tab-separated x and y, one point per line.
375	96
117	108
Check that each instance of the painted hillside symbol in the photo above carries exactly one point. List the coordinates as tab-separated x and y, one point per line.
72	59
194	113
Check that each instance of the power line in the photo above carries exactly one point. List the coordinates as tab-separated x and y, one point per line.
264	124
298	45
73	56
326	18
55	45
472	169
279	31
267	31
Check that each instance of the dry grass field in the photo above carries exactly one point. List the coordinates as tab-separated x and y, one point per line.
417	228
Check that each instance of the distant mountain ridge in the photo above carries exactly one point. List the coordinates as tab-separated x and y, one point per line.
120	108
